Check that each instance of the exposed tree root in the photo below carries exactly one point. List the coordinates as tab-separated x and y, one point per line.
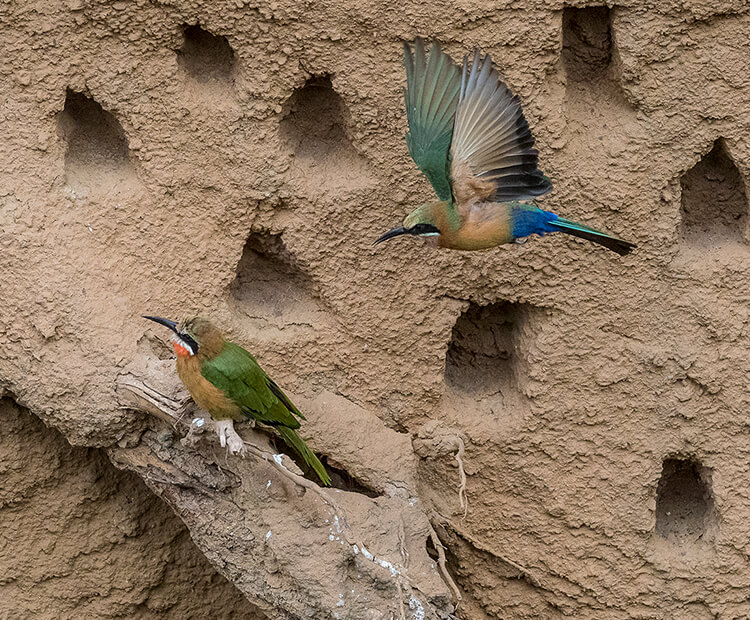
440	549
462	476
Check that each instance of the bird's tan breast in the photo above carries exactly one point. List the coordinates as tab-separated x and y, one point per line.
483	225
206	395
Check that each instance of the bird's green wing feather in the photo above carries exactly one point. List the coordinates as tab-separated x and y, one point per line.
283	398
237	373
431	96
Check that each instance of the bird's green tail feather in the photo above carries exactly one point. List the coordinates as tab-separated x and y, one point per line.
584	232
295	441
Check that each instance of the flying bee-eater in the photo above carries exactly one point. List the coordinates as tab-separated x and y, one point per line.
227	381
468	135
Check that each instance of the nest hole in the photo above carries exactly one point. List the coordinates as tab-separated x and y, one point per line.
97	150
342	479
268	278
685	511
486	352
714	201
587	41
206	57
315	121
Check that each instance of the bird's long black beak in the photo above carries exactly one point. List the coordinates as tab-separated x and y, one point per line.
166	322
391	234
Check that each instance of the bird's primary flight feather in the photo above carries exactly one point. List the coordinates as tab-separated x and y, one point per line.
492	150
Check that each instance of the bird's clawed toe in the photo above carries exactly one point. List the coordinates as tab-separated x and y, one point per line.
236	445
229	439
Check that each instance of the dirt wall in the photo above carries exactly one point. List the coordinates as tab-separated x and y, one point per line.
81	539
237	159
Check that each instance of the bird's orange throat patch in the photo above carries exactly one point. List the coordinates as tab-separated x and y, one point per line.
182	348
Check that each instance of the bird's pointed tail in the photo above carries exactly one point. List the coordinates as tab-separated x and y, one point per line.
295	441
584	232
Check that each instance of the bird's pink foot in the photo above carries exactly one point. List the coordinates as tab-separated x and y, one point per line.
228	437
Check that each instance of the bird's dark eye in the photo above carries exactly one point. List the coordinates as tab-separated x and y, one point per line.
424	229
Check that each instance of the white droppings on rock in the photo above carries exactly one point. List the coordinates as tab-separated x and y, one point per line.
384	563
279	458
268	535
416	605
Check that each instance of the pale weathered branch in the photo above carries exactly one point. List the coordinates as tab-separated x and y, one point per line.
291	546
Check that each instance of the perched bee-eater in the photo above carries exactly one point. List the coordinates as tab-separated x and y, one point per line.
468	135
228	382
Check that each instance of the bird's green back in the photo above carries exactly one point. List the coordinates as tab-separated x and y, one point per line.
237	373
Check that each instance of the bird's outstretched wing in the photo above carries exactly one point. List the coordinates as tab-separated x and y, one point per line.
237	373
492	152
431	97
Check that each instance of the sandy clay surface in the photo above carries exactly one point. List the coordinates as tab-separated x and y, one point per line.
237	159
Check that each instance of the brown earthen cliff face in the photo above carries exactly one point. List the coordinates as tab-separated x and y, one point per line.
237	159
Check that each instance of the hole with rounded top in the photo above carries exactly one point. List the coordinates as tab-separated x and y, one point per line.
314	123
314	129
206	57
714	202
269	282
587	41
97	151
486	352
685	512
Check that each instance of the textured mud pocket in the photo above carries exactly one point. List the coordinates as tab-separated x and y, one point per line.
685	511
486	355
342	479
205	57
268	281
714	202
314	130
314	123
587	41
97	154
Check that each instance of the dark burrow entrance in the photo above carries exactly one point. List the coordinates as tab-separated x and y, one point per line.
685	511
97	152
587	42
486	354
205	57
714	202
